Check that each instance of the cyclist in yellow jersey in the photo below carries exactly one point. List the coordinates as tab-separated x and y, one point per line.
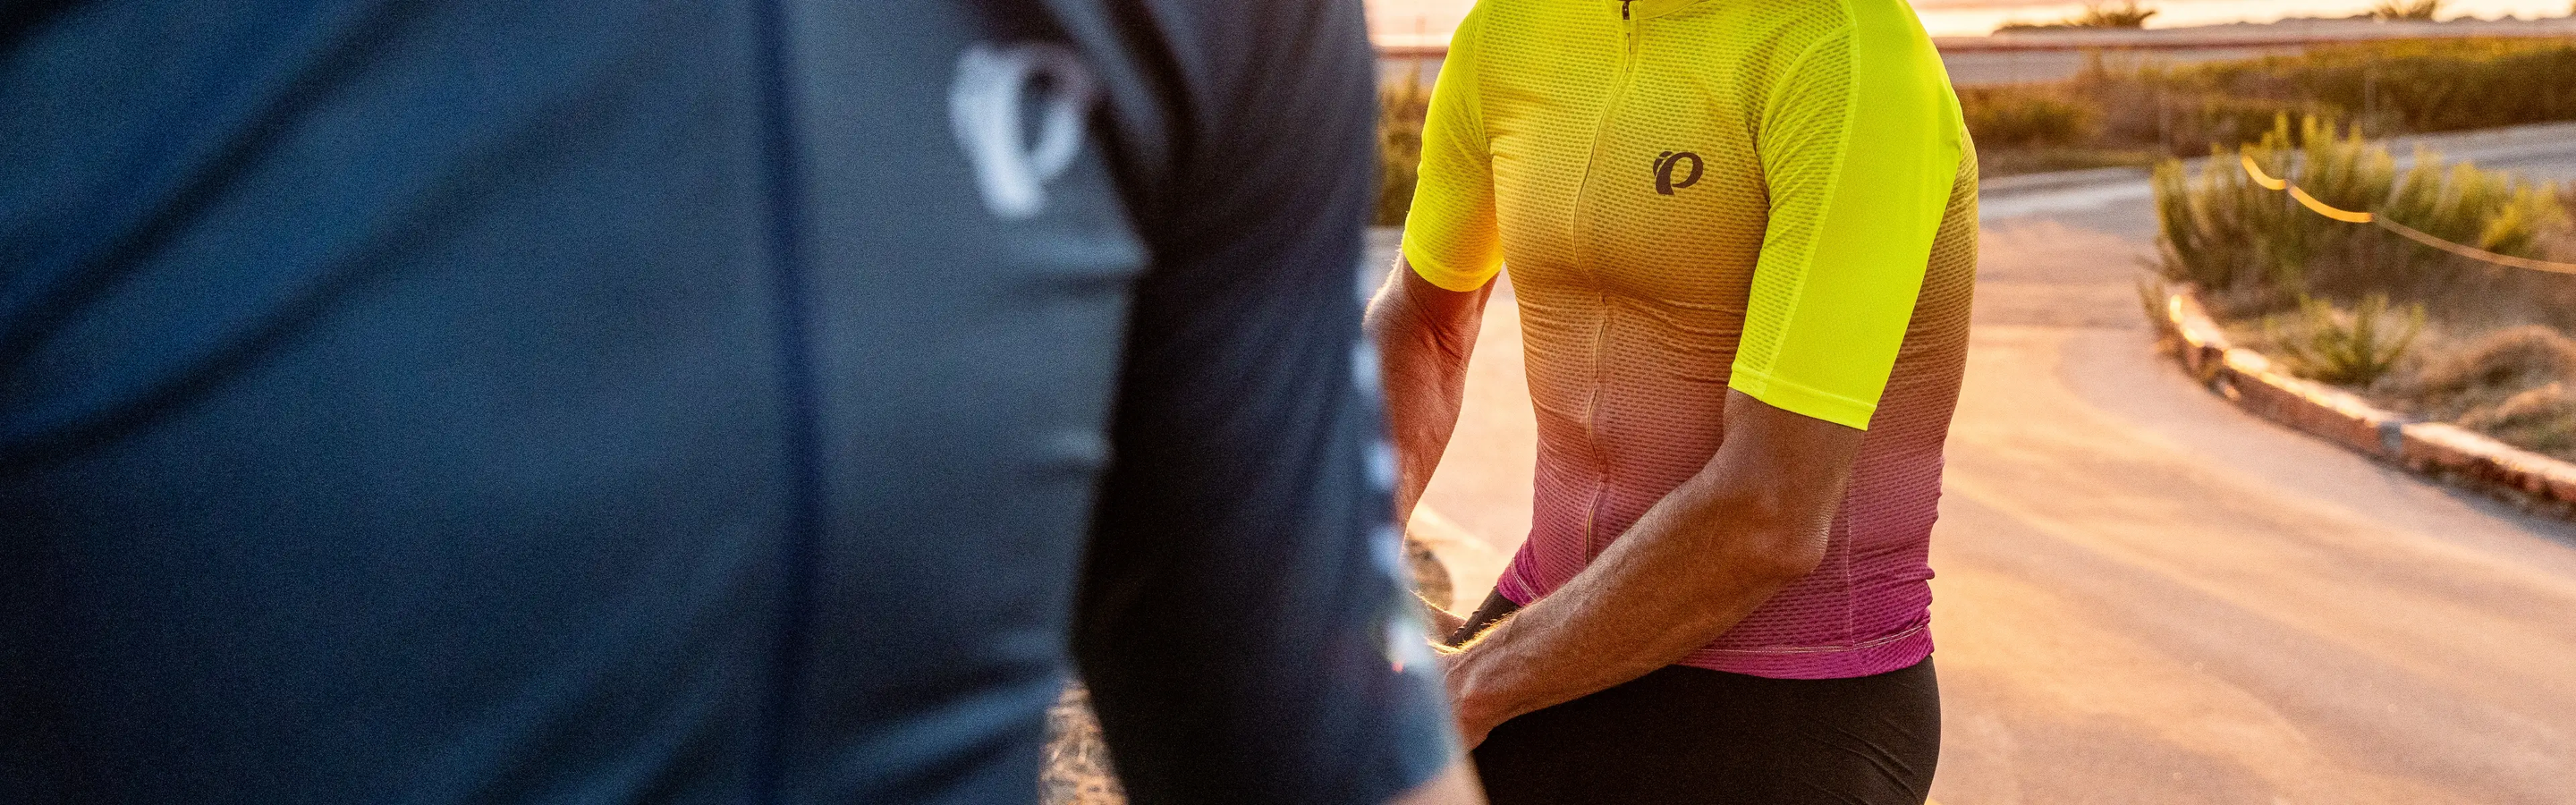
1742	238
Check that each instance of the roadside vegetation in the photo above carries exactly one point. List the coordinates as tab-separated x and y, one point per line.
2406	10
1402	103
2128	110
1077	769
2128	14
2411	328
2124	111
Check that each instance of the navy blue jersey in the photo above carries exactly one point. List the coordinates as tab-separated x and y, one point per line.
615	401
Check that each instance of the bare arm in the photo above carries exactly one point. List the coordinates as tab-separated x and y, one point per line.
1424	335
1751	522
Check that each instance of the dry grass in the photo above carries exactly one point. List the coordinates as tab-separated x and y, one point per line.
2512	384
1077	770
2496	364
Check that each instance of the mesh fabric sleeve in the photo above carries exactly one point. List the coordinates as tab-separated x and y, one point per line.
1241	623
1450	236
1860	147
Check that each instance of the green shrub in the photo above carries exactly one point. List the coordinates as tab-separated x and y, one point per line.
1402	103
2423	10
2339	347
2128	14
2256	251
2022	117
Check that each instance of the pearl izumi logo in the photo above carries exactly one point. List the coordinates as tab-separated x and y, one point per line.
1667	164
995	86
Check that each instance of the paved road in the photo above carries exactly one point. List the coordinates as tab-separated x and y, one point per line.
2146	596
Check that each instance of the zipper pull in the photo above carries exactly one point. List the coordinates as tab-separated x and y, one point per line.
1623	8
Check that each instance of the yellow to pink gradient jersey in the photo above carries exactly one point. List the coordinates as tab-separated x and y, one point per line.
1772	195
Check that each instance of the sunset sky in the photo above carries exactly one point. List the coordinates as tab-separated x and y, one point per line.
1409	21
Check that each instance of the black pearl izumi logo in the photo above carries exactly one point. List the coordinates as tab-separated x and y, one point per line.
1668	163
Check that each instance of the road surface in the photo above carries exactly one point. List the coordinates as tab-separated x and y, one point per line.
2147	596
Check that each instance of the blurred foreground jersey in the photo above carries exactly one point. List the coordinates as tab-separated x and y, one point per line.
687	402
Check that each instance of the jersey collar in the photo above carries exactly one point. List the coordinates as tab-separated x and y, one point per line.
1642	9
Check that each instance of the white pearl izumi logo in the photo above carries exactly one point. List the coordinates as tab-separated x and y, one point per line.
994	86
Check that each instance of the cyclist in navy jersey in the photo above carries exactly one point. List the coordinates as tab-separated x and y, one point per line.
692	402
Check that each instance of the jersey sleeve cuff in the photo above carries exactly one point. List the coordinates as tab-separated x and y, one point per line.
1439	273
1803	400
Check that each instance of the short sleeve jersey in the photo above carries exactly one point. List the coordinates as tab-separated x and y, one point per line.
1776	197
755	401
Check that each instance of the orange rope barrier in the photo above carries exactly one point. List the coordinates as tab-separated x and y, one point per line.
2267	182
2256	171
2475	253
2311	202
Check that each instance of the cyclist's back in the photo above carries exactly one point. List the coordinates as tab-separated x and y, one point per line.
616	401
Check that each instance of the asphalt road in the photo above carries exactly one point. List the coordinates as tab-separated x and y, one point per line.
2147	596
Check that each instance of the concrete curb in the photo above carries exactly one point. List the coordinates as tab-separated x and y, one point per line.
2249	380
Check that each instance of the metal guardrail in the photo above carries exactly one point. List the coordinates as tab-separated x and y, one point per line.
2267	182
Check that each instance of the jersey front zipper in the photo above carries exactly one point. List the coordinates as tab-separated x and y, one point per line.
1581	226
1624	75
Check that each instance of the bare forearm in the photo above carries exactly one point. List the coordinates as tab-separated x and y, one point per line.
1706	556
1425	388
1673	583
1424	338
